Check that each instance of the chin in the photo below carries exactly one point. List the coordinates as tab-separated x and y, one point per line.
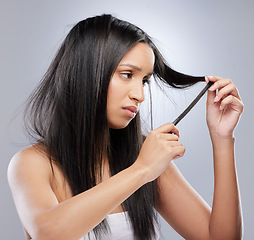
119	126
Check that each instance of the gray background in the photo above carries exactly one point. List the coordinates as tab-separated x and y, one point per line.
196	37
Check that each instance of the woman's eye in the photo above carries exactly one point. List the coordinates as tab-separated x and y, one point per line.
127	75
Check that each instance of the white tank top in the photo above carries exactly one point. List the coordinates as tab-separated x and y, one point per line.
120	227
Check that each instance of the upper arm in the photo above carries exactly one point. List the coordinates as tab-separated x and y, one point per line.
181	206
29	179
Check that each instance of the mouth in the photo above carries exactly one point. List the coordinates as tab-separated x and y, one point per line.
131	111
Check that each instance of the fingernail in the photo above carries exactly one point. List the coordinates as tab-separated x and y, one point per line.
211	88
210	77
216	99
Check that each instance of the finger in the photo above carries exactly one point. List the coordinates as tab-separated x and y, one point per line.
232	102
173	144
166	128
178	152
219	83
212	78
169	137
229	89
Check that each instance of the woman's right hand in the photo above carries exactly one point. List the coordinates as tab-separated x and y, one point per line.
159	148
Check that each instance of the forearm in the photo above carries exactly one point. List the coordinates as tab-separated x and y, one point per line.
226	220
76	216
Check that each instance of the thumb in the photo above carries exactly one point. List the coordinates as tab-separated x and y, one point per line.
210	97
211	94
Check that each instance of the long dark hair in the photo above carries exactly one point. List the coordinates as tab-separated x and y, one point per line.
67	112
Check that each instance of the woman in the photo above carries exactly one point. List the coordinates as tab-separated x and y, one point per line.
89	172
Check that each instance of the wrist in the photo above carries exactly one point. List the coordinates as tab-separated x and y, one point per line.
142	172
221	137
222	142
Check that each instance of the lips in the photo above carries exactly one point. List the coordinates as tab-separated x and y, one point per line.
131	111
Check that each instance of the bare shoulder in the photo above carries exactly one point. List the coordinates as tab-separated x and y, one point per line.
30	177
30	160
30	174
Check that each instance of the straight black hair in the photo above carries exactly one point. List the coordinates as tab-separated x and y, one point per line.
67	112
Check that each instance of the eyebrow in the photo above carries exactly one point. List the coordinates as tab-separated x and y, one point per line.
135	67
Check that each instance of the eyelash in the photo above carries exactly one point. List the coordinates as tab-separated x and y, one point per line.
129	75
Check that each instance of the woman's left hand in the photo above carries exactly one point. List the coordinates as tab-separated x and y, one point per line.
224	107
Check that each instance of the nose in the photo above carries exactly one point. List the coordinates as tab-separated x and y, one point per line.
137	92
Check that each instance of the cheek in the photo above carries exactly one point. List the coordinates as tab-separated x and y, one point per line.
115	91
112	97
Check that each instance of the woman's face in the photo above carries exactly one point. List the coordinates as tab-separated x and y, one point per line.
125	91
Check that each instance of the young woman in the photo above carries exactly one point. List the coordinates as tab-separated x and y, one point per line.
90	173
